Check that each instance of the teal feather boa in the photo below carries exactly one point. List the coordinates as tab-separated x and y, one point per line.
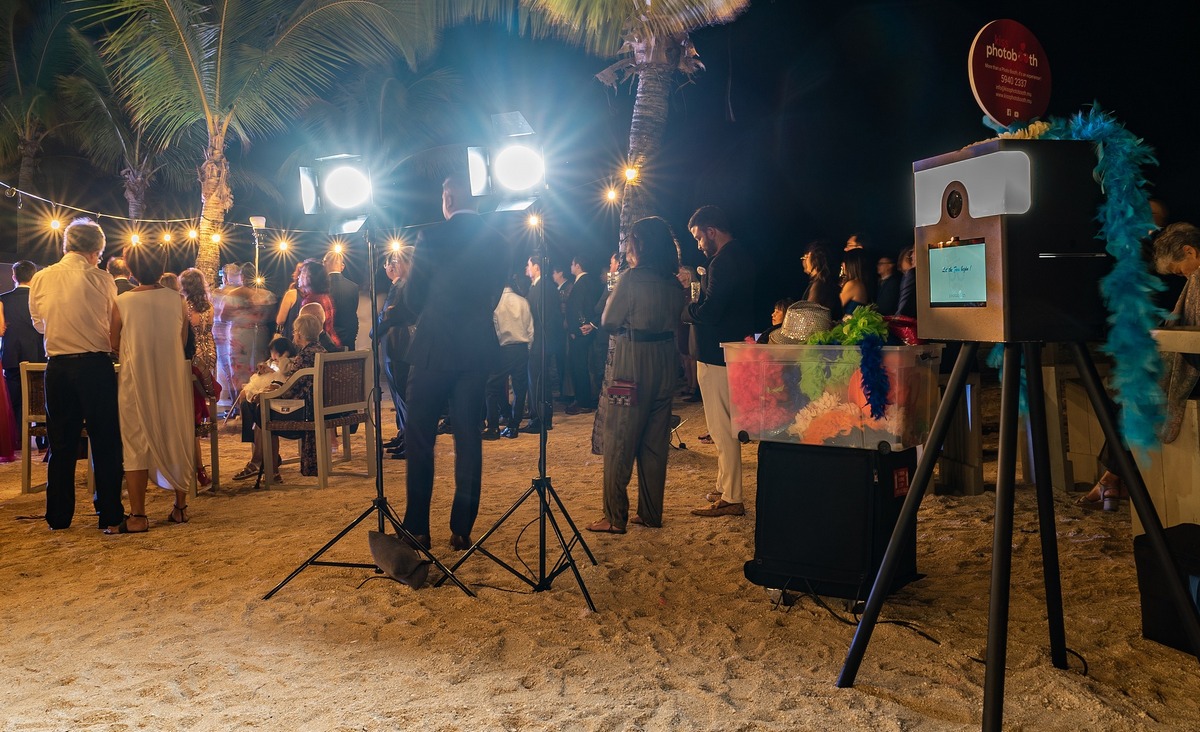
1124	218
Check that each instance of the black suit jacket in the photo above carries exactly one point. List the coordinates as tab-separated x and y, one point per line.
344	294
459	269
549	324
21	341
123	285
725	311
581	303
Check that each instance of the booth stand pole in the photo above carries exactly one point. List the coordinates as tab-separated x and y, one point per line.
379	506
998	603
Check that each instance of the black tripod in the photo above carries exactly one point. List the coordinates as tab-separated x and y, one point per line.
379	506
997	641
541	487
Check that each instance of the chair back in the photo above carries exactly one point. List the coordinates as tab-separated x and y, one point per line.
33	394
342	384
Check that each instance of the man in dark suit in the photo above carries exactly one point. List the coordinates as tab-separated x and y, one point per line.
395	333
120	274
458	272
344	294
581	329
21	341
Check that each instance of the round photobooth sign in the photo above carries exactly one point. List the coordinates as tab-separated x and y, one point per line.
1010	75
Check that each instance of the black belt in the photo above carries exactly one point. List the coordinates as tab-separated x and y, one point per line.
89	354
649	336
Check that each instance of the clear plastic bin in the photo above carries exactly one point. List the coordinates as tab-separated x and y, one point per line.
813	395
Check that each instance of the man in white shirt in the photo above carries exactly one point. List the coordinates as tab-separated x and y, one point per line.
72	303
514	330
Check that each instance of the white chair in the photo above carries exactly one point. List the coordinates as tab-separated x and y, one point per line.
33	424
341	397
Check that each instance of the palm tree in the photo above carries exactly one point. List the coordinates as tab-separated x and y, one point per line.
103	129
240	70
33	45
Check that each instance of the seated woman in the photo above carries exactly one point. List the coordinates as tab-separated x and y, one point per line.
306	331
777	316
1176	252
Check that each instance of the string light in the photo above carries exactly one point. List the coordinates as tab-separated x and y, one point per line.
135	240
338	248
216	238
611	195
55	224
166	237
192	233
534	221
631	174
283	245
395	245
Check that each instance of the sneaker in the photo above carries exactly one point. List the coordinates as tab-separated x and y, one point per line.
721	508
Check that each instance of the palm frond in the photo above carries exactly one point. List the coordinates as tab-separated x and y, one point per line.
603	26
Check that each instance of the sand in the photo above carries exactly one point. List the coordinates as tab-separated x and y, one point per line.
169	630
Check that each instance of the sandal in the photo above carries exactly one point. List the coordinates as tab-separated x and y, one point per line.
604	527
183	517
250	471
123	527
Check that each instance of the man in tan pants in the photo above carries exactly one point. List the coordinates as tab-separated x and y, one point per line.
723	312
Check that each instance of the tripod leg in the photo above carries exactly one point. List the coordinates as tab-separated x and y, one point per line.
1045	499
568	559
906	522
574	529
1138	494
1002	530
320	551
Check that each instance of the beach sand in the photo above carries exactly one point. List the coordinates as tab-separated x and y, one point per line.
169	630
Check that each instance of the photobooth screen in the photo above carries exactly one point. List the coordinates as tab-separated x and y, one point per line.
958	275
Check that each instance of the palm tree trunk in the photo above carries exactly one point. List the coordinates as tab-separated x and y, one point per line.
645	138
216	199
136	186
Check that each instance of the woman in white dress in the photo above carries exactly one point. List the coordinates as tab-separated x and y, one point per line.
149	328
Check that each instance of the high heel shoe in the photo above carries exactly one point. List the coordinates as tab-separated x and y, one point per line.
182	511
1111	495
202	477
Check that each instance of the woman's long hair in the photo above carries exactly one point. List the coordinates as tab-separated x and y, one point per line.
858	267
194	289
818	259
654	246
318	278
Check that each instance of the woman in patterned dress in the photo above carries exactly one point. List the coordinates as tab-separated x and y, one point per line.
194	289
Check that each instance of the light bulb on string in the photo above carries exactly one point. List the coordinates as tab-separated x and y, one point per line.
193	234
631	174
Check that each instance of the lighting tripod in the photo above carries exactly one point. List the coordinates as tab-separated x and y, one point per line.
379	506
997	640
541	486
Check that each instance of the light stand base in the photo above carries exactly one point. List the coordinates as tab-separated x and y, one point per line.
383	509
544	490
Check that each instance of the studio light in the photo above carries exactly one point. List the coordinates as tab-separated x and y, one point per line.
518	168
338	185
511	166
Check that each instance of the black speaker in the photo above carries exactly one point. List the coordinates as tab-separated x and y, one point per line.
1160	622
824	518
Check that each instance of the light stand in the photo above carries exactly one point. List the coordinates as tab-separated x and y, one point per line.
541	485
379	506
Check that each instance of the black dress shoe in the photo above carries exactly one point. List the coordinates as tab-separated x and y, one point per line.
398	455
396	441
493	434
460	543
422	541
510	433
532	428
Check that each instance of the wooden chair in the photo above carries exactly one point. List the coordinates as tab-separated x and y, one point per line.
209	429
341	397
33	424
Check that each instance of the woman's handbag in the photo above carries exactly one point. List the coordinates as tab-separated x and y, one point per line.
290	410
